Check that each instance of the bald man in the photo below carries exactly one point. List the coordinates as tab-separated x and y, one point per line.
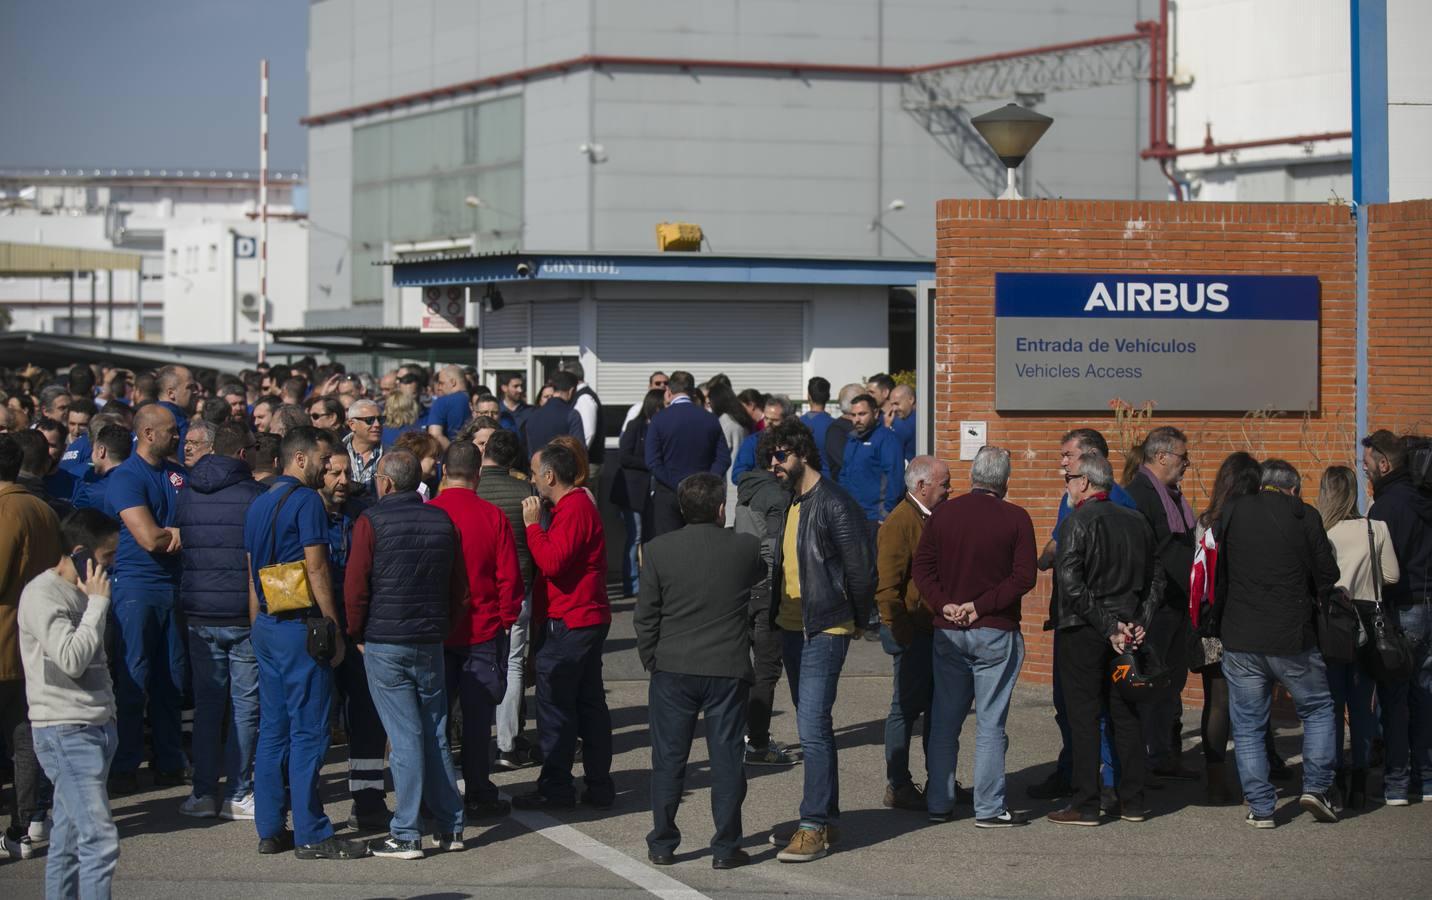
143	493
900	418
453	407
177	393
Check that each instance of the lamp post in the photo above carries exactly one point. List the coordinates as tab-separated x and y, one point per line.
1011	132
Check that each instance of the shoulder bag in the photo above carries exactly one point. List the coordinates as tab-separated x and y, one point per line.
1388	655
285	585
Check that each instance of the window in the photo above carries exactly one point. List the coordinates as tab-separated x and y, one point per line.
213	257
412	178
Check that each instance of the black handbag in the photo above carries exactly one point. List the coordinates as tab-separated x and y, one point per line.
1388	656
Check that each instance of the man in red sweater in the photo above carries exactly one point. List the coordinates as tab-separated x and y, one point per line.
475	653
569	606
974	564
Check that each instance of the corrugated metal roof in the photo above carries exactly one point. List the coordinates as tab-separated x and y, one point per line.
653	254
22	260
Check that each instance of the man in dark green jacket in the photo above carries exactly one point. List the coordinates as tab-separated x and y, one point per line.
692	636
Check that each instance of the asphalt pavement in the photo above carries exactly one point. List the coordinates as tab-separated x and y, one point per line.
1184	850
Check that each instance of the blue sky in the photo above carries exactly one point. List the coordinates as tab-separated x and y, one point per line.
154	83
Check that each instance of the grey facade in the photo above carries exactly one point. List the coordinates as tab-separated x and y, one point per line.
766	162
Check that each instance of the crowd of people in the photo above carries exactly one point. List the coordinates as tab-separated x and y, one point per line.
298	552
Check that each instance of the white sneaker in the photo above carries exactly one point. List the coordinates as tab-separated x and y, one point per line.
40	830
199	807
23	848
242	808
1397	801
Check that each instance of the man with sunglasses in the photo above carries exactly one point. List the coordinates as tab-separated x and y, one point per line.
364	442
823	590
1156	489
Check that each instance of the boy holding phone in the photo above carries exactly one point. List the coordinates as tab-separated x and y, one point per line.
62	621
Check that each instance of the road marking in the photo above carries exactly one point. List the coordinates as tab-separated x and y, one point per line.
609	858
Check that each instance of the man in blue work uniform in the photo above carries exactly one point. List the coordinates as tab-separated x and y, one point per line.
367	740
452	409
1058	784
177	393
818	420
901	418
873	472
113	444
289	524
142	493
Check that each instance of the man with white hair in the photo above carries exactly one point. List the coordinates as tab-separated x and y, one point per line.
905	624
364	441
833	448
453	408
974	564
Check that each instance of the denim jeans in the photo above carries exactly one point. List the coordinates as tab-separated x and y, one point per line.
1416	622
406	681
1352	689
151	664
84	843
978	667
477	676
813	665
226	677
631	563
674	702
572	703
15	735
509	711
1250	695
909	702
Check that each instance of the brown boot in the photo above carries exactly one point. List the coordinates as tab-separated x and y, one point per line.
1215	786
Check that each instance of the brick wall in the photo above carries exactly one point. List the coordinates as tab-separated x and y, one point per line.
1399	281
977	238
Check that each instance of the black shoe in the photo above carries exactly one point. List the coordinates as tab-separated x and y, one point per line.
374	820
660	859
391	848
1319	805
487	809
1134	814
735	861
512	760
279	843
332	848
539	800
1071	816
596	801
1052	788
176	778
123	784
1006	819
1175	773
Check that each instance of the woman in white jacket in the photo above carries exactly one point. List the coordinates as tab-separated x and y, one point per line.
1366	561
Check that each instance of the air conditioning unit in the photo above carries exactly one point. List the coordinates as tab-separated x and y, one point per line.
249	304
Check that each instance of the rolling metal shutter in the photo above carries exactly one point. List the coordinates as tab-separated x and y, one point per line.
504	338
758	345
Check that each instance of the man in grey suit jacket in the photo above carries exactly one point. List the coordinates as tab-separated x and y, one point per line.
691	634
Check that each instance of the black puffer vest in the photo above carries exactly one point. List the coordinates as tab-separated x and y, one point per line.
413	548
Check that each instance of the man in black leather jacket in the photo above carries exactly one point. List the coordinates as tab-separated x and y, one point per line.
1109	586
823	589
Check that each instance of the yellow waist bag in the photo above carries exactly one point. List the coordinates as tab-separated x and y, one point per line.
285	585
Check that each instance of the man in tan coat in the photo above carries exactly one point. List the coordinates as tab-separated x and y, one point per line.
905	630
29	544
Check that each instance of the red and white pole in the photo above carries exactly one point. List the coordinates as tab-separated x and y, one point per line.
263	208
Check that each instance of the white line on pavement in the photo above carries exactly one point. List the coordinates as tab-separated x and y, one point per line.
609	858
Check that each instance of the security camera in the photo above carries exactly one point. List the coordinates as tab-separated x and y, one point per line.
524	269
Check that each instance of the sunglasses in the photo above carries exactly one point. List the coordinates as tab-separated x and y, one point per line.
1068	478
366	420
780	456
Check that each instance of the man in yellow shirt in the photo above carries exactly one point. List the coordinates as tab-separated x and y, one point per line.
824	585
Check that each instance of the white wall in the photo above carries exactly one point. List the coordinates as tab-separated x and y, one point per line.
202	293
1409	99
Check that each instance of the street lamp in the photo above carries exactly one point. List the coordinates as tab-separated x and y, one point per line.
1011	132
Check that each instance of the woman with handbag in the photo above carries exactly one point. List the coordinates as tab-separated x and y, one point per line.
1366	561
1238	476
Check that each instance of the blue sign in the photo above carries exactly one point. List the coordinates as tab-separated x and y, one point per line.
1081	341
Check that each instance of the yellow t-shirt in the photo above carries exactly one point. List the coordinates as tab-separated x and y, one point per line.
788	617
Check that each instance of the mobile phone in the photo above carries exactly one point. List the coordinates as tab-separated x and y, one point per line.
82	558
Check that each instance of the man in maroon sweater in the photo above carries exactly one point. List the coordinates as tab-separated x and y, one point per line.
974	564
569	604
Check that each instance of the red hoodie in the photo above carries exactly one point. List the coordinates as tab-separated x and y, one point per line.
571	562
489	552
